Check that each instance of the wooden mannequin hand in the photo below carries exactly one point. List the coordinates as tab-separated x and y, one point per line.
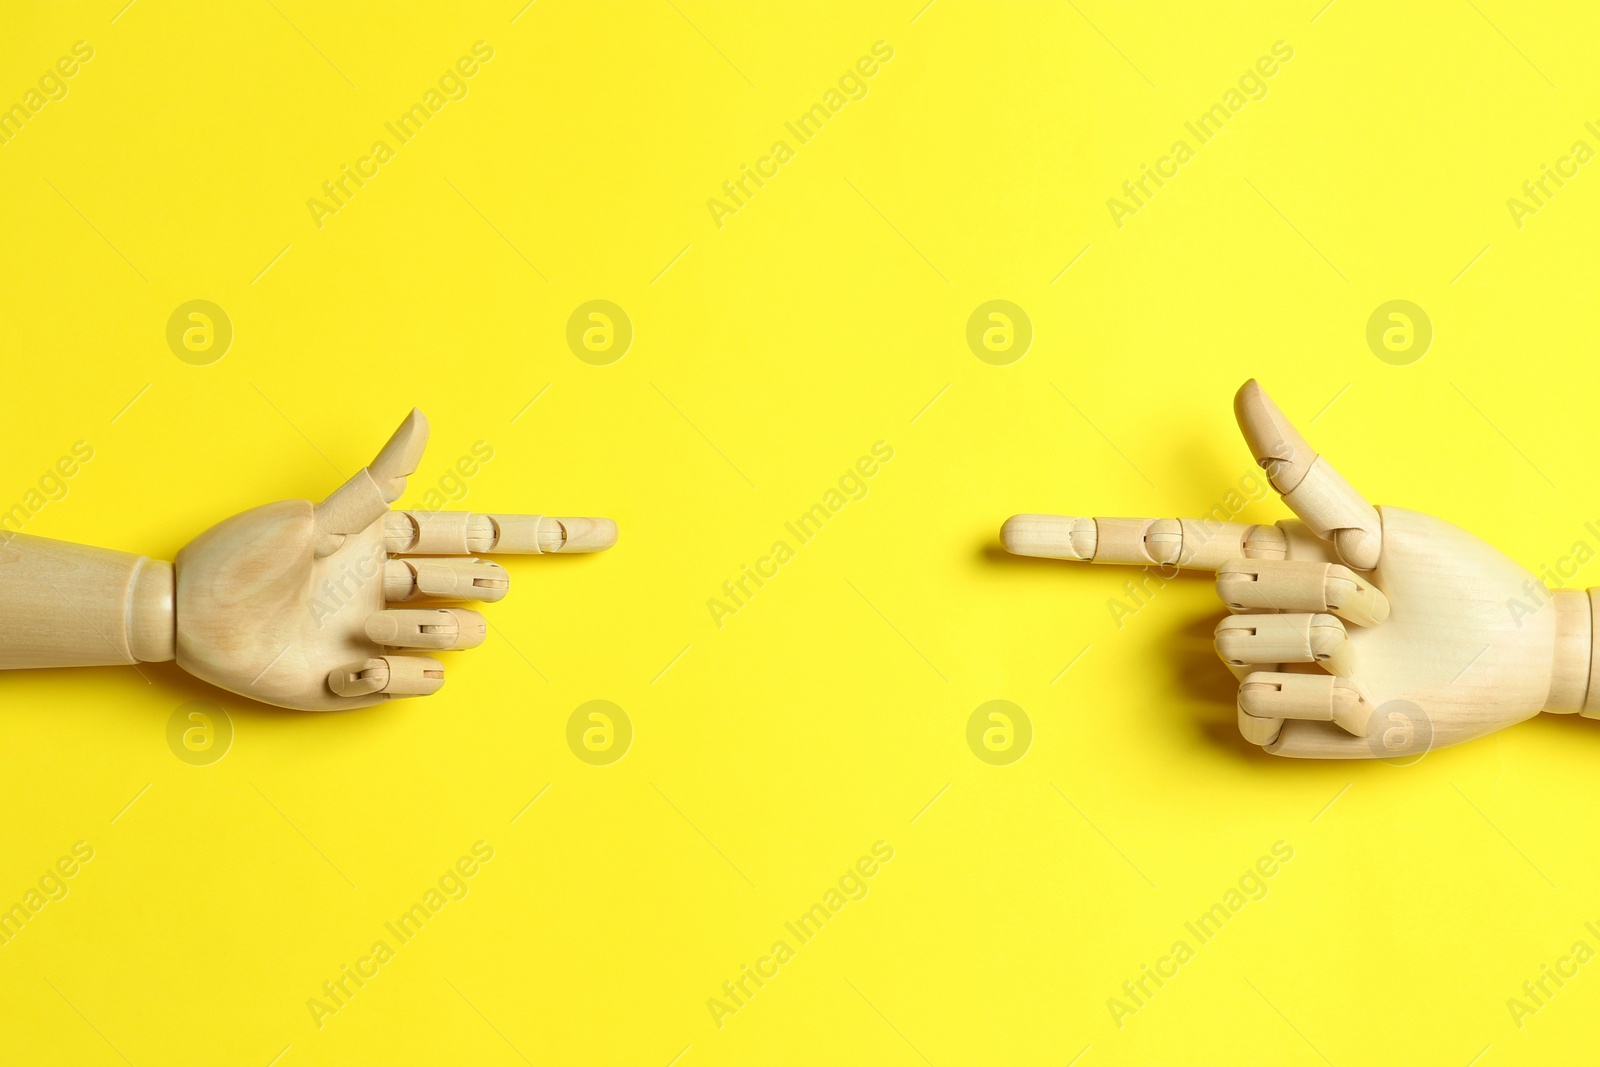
290	603
1359	631
293	603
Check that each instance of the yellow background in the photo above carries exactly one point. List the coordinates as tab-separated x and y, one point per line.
769	354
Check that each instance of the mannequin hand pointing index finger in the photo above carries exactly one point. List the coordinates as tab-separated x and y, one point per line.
319	587
1356	631
303	605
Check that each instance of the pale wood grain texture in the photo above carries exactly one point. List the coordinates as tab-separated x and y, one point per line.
64	605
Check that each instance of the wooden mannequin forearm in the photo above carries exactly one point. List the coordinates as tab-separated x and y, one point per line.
67	605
